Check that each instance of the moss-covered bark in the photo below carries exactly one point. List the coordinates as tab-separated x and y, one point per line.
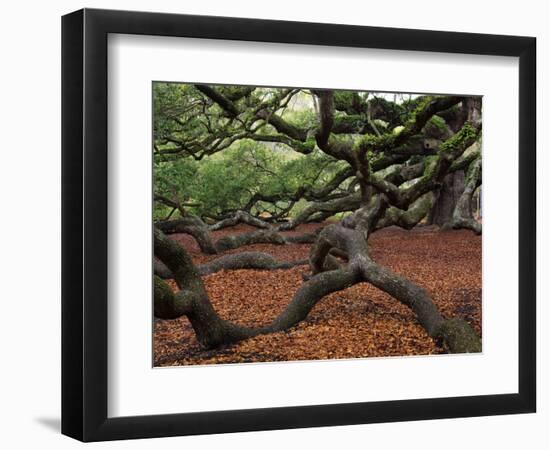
462	215
246	260
256	237
391	177
239	217
447	198
456	335
192	299
193	226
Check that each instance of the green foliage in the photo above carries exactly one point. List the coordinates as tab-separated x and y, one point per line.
430	165
227	180
372	141
222	148
392	113
437	122
345	100
461	140
174	102
301	119
412	104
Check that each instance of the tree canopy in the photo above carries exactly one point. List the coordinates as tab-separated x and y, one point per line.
282	152
279	157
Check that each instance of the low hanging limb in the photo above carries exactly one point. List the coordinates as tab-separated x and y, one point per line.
195	227
192	300
240	217
244	260
455	335
255	237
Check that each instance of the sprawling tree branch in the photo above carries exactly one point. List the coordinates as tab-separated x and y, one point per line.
243	260
388	163
192	300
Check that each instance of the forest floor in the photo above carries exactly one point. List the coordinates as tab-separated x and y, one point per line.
358	322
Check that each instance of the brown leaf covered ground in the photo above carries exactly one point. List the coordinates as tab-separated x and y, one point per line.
361	321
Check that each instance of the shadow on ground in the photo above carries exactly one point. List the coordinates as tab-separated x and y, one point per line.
52	423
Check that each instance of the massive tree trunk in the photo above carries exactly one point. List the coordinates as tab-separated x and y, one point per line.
462	215
451	190
397	180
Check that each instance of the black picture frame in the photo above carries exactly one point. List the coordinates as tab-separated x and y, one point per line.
84	224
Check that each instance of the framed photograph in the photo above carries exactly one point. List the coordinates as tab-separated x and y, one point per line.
273	225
